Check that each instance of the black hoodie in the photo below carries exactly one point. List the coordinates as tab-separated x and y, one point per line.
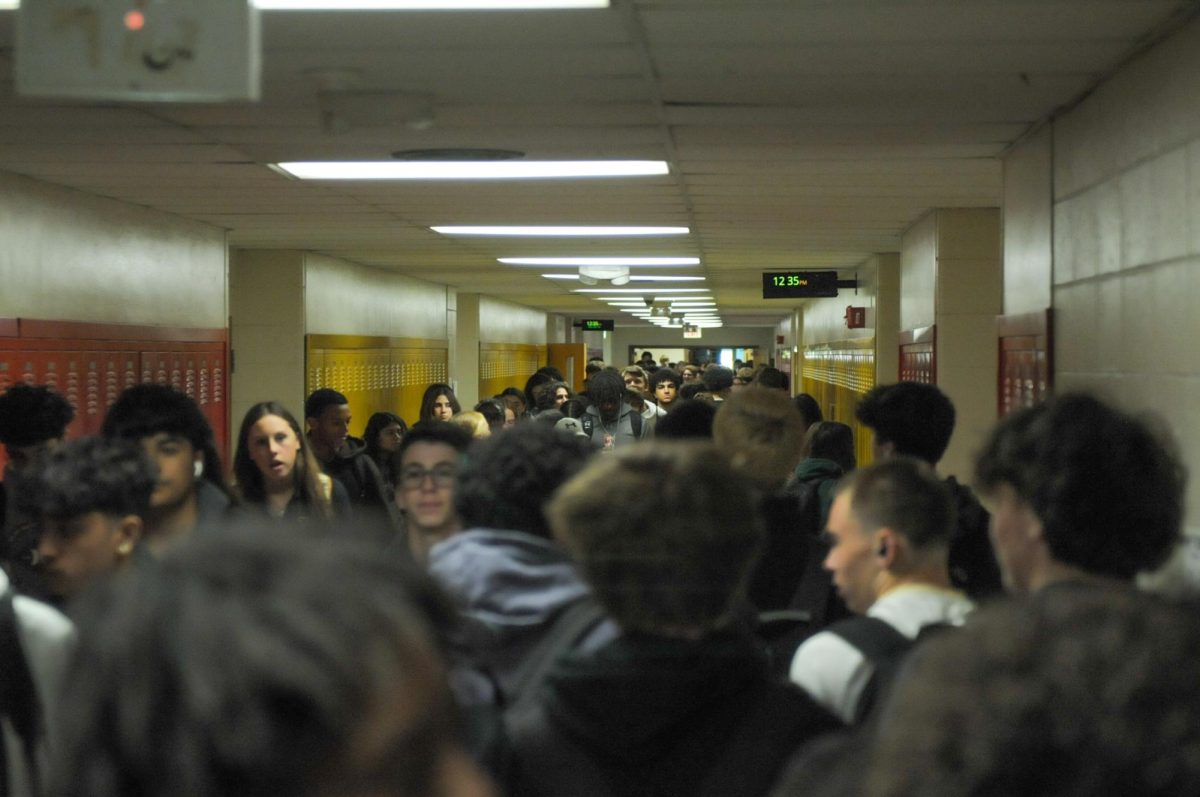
656	716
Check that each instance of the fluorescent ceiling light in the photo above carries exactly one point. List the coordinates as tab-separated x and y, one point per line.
640	290
631	279
9	5
467	170
421	5
626	302
600	261
562	232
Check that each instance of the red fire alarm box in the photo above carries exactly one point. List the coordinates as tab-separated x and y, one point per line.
856	317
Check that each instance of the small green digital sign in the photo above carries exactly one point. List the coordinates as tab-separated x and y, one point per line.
597	325
799	284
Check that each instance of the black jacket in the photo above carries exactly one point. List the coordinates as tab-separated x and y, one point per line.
654	716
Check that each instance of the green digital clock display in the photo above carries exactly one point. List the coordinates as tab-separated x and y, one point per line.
597	325
799	284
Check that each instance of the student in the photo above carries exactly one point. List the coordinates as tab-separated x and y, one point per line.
439	403
249	664
36	642
1081	693
383	435
91	497
505	571
681	703
345	459
913	419
277	476
891	526
33	421
760	432
665	384
1082	494
430	458
610	421
191	495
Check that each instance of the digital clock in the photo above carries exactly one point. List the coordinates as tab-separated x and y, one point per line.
597	325
799	284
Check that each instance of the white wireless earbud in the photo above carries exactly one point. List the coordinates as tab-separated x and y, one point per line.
197	469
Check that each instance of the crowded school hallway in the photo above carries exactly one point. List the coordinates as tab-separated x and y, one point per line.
712	398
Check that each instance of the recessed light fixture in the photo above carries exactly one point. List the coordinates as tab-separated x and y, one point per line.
563	232
9	5
423	5
468	170
645	262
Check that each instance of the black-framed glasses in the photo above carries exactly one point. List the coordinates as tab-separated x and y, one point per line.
413	476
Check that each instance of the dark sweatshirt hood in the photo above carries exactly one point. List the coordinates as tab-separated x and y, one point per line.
634	699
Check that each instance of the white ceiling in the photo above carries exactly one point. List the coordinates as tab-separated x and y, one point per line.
800	133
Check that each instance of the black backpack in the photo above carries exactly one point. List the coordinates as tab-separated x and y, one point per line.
886	649
588	423
18	698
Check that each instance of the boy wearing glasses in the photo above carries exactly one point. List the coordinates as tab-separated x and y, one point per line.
429	457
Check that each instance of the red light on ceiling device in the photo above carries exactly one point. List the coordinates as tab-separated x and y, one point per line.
134	20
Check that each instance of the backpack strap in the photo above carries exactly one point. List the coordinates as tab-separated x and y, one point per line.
18	696
635	424
880	644
566	630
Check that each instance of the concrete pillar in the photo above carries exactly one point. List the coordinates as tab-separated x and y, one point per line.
952	276
464	354
887	317
267	326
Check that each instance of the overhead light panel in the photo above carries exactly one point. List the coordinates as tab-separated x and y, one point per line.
423	5
562	232
468	170
640	290
628	262
638	278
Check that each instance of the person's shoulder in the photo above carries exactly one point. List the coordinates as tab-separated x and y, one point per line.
45	632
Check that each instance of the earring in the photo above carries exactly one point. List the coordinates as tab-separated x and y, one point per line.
198	469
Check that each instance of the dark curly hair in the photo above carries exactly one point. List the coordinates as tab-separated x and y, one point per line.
606	386
92	474
665	375
149	409
250	663
32	414
1107	487
509	478
1083	692
916	418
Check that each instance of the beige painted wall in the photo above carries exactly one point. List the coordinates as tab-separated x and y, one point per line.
969	297
1028	231
266	307
824	319
466	361
343	298
918	273
505	322
1127	242
66	255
